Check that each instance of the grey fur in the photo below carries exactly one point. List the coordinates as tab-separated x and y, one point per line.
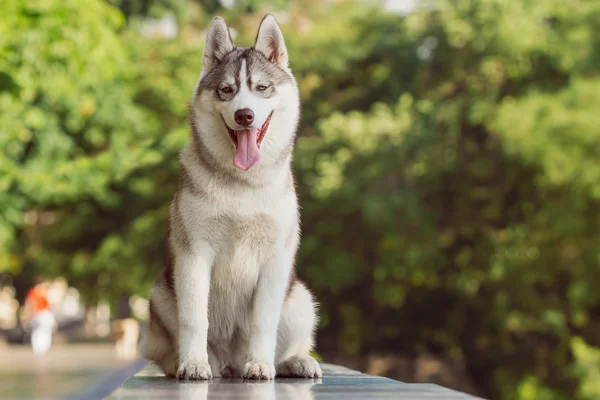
178	232
228	70
186	182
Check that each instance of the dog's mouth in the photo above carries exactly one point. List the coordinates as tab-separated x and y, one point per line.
247	144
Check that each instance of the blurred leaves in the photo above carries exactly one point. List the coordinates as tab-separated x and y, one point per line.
82	143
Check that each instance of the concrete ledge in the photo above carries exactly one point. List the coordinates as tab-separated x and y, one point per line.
337	383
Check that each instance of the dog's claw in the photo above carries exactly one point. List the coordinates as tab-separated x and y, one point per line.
300	367
194	371
259	370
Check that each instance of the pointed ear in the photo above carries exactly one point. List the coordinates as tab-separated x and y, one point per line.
218	44
269	41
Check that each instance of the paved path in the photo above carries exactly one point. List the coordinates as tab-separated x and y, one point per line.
337	383
65	370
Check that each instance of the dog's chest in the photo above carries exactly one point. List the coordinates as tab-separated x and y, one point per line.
246	246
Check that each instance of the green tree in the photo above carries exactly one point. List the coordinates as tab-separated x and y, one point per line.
463	204
87	162
146	8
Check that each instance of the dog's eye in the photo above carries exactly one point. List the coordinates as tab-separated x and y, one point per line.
261	88
226	89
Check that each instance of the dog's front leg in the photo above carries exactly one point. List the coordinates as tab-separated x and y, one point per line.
266	313
192	286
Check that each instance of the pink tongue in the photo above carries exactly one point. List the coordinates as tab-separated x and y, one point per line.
247	154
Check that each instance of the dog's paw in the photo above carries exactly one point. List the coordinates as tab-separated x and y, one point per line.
300	367
259	370
194	371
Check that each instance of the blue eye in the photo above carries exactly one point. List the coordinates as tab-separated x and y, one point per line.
261	88
226	89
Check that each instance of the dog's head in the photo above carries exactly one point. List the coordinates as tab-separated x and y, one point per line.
246	105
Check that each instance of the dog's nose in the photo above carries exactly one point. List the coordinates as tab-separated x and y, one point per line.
244	117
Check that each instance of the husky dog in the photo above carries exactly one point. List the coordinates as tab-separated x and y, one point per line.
227	302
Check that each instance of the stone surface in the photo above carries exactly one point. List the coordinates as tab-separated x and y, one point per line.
337	383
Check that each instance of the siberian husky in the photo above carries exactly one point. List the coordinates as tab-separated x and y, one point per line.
227	302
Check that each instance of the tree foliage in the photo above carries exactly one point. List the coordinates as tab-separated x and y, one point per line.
447	167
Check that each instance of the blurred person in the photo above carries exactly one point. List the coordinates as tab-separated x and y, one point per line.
125	330
125	333
40	318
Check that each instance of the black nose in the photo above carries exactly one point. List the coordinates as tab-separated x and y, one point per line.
244	117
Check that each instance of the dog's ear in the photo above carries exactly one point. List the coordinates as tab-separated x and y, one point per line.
269	41
218	44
